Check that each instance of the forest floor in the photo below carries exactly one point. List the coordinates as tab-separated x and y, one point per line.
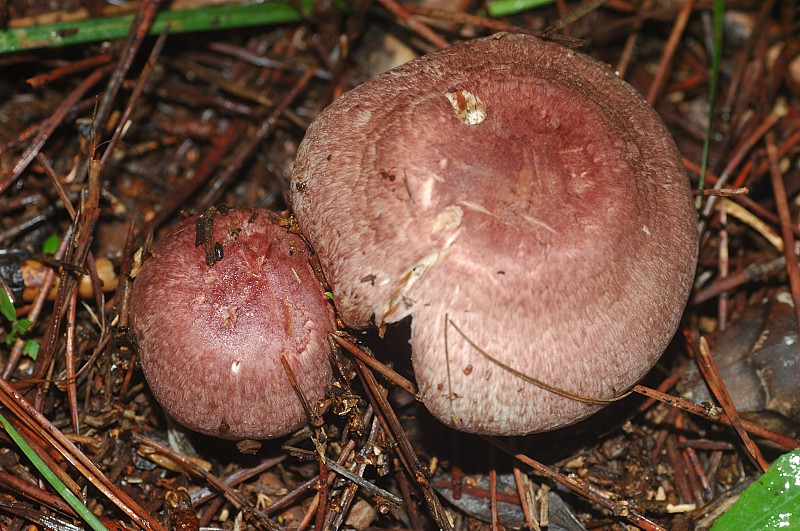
104	144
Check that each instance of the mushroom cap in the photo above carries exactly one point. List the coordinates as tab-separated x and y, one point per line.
519	200
210	338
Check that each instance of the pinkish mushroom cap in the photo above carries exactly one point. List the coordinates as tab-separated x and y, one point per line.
210	338
517	199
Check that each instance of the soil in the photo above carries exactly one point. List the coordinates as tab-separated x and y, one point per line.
105	144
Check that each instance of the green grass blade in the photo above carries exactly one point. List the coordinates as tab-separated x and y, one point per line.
503	8
7	307
189	20
718	17
69	497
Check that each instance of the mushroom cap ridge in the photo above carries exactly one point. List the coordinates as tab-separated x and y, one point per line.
558	233
210	338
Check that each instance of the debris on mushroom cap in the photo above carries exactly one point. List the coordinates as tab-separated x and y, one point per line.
211	337
522	203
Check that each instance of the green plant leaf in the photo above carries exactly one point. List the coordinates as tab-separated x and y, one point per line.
17	328
770	503
11	336
51	244
21	325
31	349
7	307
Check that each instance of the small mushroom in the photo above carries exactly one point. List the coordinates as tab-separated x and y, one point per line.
211	337
526	207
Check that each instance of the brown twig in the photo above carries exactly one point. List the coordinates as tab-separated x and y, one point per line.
587	491
418	27
375	365
714	414
665	65
406	452
70	69
708	367
723	192
782	204
136	94
627	51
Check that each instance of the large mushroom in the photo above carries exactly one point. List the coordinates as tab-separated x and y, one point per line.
212	327
525	205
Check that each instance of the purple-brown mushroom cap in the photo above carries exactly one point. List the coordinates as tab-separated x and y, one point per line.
517	199
210	338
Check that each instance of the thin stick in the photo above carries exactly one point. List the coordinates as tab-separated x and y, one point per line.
418	27
782	204
72	391
723	192
573	16
534	381
133	99
708	367
669	52
630	42
723	265
361	482
391	375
